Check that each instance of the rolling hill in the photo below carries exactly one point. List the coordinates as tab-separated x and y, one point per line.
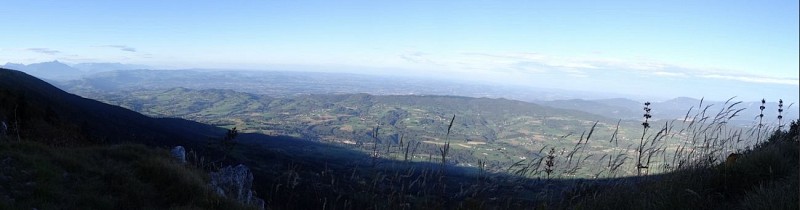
499	130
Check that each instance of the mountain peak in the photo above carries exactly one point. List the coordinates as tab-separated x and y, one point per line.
54	70
110	66
50	63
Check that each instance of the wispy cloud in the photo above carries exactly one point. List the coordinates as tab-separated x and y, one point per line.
579	75
47	51
121	47
416	57
670	74
533	59
754	79
586	67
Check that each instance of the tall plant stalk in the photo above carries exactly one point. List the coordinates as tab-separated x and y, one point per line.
760	120
645	126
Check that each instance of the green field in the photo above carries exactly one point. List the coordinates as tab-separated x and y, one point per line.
498	132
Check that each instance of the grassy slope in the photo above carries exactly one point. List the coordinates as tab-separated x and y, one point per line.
33	175
765	177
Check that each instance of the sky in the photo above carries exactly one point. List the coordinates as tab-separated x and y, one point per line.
698	49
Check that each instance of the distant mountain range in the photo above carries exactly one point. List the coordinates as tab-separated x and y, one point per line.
104	67
290	83
58	71
53	70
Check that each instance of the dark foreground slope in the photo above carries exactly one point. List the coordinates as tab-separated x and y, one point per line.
37	176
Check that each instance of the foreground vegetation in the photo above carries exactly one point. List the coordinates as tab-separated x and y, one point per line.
764	177
37	176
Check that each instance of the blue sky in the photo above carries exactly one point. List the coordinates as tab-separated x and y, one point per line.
591	44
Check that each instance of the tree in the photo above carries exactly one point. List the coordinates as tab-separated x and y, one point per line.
228	143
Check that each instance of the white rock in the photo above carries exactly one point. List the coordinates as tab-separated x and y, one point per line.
236	183
179	153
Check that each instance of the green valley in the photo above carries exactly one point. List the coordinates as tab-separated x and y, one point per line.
499	132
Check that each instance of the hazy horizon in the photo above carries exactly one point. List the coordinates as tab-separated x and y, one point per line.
692	49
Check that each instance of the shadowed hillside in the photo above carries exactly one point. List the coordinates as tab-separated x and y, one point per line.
35	109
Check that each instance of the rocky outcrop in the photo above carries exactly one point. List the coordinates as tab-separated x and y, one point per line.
3	128
236	183
179	153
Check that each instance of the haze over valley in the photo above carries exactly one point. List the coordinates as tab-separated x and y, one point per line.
505	123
